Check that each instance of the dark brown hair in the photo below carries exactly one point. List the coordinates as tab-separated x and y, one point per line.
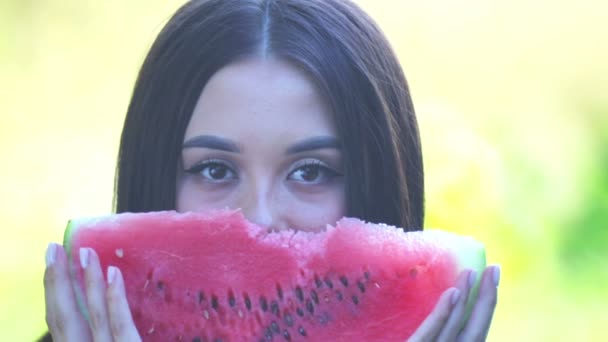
333	41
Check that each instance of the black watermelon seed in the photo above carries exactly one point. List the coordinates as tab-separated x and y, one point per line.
344	281
275	327
274	307
361	286
201	296
231	300
247	302
160	285
268	334
366	274
279	291
286	335
302	331
196	339
339	295
309	306
355	300
318	282
300	311
299	293
214	303
329	283
263	304
313	295
288	320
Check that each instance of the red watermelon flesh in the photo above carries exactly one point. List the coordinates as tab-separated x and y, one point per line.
217	277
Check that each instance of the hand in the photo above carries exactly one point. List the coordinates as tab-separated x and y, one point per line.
110	317
445	322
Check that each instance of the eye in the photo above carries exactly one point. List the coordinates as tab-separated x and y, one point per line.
213	170
313	172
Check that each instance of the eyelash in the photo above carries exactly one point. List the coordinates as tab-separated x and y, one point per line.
198	168
330	173
321	167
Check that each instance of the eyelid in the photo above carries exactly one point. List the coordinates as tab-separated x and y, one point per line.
313	162
307	162
199	166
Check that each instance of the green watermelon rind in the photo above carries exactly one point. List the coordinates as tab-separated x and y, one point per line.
475	257
471	254
72	227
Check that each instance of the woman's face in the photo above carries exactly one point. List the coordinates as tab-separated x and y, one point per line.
261	139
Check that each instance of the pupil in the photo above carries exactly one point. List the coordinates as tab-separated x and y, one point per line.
310	173
217	172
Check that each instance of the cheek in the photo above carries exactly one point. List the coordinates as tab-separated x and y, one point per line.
190	197
186	199
315	214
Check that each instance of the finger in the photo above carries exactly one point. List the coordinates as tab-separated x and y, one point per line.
432	325
121	321
96	295
450	331
478	325
62	315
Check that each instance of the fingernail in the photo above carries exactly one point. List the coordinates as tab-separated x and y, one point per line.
84	257
496	275
51	254
472	278
111	274
455	296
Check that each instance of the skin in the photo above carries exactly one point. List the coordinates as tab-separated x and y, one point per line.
267	148
284	168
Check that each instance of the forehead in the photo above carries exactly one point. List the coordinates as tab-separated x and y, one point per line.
258	97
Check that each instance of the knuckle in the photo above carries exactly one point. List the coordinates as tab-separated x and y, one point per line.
50	278
90	282
111	296
98	319
119	325
443	314
118	328
415	339
56	325
491	301
478	337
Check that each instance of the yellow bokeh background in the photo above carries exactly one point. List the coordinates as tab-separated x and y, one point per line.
513	108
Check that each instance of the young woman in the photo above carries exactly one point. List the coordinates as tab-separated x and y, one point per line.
295	111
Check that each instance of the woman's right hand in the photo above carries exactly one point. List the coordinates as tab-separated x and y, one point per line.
110	317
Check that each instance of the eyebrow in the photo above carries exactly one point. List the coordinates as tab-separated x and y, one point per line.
222	144
315	143
212	142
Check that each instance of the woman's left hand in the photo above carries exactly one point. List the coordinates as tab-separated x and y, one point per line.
444	323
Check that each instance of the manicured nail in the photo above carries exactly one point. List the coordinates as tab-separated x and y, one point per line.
51	254
455	296
472	278
496	275
111	274
84	257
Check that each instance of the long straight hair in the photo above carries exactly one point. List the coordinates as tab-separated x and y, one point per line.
335	43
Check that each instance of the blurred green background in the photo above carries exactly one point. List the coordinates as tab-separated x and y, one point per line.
513	107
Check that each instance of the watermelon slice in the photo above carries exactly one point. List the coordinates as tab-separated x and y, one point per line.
217	277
